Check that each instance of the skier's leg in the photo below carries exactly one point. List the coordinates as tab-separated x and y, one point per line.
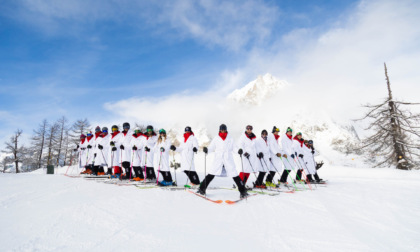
270	176
241	186
299	174
193	176
151	173
205	183
283	178
245	179
260	179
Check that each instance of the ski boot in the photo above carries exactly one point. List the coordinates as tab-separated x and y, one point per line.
201	191
270	184
165	183
317	178
243	194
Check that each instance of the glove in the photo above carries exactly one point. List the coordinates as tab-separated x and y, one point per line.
83	148
162	149
313	152
205	150
112	143
100	147
296	154
114	148
240	151
94	155
122	147
284	155
293	156
278	155
74	150
147	149
173	147
89	146
246	155
195	150
77	146
260	155
301	155
134	148
269	159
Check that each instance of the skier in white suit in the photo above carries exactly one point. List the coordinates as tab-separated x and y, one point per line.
262	147
246	148
102	157
187	149
137	152
299	153
148	143
309	164
82	152
288	154
125	148
275	154
162	148
114	153
223	164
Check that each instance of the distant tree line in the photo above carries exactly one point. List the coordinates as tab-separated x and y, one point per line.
51	144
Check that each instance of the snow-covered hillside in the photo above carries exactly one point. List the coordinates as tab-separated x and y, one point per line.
359	210
255	92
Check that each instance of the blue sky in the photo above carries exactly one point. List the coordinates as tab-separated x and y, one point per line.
73	57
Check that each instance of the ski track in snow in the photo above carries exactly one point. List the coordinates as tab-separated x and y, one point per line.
360	210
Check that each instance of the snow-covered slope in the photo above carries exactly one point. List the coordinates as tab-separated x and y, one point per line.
255	92
360	210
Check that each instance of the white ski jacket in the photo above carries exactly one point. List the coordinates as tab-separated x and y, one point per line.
248	146
162	158
223	162
187	154
262	146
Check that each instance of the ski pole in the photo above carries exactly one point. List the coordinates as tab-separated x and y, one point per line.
275	169
121	167
132	158
297	175
268	170
145	167
173	156
160	158
308	172
188	175
205	173
288	173
303	171
294	172
112	162
104	158
253	172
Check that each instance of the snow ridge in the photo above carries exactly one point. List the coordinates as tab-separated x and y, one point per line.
256	91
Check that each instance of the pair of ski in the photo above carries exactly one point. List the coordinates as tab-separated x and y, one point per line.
230	202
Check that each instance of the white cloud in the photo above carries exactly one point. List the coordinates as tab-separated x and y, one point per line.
335	70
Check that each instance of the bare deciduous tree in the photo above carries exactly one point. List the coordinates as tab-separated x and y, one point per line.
17	151
395	131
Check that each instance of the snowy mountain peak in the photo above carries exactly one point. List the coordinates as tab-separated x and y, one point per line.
255	92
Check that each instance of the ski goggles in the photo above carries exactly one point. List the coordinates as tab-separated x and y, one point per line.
187	129
97	130
299	134
277	130
289	130
89	134
162	131
114	129
104	131
137	131
249	127
126	127
149	130
310	142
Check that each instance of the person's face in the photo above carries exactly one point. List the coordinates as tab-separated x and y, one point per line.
223	131
263	135
276	133
289	133
249	130
299	137
162	134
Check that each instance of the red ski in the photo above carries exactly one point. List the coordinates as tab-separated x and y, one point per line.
230	202
201	196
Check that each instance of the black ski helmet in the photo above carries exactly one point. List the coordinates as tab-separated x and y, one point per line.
126	125
188	128
149	127
264	132
114	127
97	129
222	127
310	142
275	129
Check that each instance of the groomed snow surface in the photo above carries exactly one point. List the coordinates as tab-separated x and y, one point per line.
360	210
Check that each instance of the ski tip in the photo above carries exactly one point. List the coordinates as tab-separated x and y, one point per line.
230	202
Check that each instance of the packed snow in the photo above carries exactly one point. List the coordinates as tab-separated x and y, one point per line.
361	209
